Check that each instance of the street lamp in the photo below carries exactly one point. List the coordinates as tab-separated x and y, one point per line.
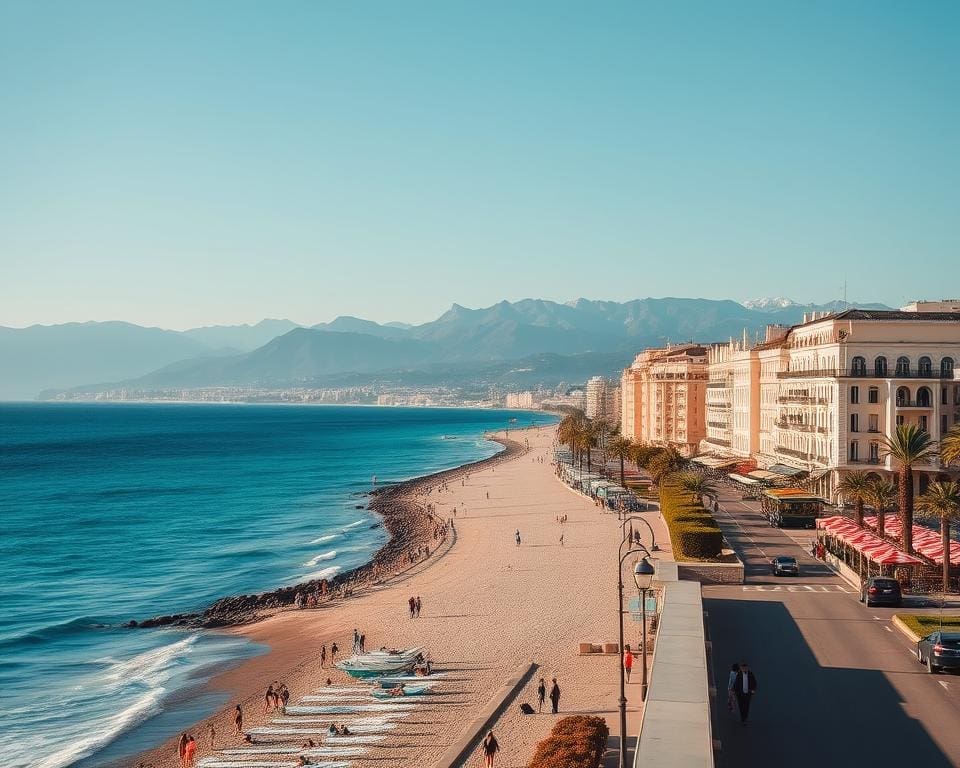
643	576
640	575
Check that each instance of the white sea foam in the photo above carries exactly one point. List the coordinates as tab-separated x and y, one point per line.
354	525
319	558
325	573
328	537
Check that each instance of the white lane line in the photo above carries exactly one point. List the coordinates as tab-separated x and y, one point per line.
723	508
912	655
876	617
888	629
944	684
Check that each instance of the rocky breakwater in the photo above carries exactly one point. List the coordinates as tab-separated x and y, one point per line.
402	508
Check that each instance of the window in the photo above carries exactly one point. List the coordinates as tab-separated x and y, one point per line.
924	398
903	397
874	452
944	424
855	394
925	367
873	395
873	422
858	367
946	368
854	422
899	421
880	366
923	423
854	451
903	366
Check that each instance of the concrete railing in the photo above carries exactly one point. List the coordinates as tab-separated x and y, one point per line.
676	730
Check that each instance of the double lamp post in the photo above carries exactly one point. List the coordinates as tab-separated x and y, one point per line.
643	572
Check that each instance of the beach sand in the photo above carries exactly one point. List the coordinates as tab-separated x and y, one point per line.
488	607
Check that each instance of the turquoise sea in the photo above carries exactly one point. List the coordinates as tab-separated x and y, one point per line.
119	511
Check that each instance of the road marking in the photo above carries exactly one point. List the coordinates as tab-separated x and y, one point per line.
888	629
944	684
878	618
831	589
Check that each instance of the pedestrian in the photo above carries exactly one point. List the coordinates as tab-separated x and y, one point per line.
517	537
745	686
412	602
627	661
541	694
190	752
418	604
334	650
731	683
238	720
268	699
555	696
212	733
561	539
488	494
356	640
182	749
490	749
323	656
363	643
813	548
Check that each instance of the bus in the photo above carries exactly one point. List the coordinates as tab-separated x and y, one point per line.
791	507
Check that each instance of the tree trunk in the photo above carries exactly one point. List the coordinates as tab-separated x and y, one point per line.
881	522
906	509
858	511
945	534
622	485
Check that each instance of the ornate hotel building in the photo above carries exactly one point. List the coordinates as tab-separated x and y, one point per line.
663	397
821	396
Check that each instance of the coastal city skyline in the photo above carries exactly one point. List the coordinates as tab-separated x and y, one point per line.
186	166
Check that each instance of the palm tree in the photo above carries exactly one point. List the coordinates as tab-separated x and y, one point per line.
620	448
666	461
697	486
567	433
909	445
942	500
883	493
950	446
641	454
856	487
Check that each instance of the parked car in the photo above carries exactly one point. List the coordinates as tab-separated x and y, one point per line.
785	566
881	590
939	650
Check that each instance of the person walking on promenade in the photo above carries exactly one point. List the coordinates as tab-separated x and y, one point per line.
555	696
418	604
731	684
627	661
490	749
745	687
323	656
541	695
412	602
182	749
356	640
238	720
517	537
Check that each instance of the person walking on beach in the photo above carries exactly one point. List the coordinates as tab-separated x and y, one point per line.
418	604
490	749
412	602
541	695
323	656
182	748
517	536
238	720
363	643
189	752
561	539
212	733
744	686
555	696
356	640
627	661
334	650
268	700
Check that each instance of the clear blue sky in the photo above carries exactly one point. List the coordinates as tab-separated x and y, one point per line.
186	163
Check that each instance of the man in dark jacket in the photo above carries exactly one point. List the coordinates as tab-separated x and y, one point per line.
744	687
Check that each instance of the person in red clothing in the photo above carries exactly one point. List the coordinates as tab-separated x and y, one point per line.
627	661
189	752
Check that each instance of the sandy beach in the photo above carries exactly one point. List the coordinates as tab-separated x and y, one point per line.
488	606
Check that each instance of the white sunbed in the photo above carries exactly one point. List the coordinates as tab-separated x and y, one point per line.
325	721
292	749
347	709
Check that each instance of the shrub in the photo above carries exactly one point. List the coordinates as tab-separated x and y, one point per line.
574	742
694	533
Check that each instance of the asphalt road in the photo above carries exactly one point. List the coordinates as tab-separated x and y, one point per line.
838	685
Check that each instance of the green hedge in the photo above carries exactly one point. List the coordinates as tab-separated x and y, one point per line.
574	742
694	533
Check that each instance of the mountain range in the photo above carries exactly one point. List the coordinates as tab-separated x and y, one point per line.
89	356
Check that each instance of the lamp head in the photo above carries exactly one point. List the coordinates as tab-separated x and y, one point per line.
643	573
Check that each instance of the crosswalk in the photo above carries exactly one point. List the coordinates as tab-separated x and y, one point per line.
829	589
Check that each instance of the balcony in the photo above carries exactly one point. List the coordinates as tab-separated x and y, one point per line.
802	400
717	441
868	373
871	460
925	405
719	424
799	426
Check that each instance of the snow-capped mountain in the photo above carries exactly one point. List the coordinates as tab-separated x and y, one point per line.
770	304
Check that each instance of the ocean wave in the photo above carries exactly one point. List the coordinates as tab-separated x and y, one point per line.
53	631
354	525
325	573
148	667
328	537
322	556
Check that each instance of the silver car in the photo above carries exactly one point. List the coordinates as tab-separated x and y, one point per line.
785	566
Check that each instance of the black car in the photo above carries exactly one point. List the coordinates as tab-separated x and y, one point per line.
881	590
939	650
784	566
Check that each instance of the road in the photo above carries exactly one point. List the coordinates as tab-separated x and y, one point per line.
838	685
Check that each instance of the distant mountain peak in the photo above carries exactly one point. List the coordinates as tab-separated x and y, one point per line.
767	303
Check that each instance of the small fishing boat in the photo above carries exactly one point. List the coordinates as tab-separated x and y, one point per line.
409	690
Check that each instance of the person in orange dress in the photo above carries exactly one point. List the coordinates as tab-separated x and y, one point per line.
189	752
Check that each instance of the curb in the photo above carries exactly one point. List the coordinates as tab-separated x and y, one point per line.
913	636
460	749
